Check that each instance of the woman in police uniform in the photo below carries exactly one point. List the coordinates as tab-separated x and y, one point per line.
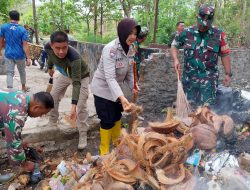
115	67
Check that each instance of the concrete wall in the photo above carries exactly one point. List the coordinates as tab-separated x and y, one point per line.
240	59
158	84
92	52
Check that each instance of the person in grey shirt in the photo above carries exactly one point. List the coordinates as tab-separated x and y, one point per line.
115	68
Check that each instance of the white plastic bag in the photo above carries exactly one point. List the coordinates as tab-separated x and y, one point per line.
217	161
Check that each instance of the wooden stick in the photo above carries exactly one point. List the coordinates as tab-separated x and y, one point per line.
133	115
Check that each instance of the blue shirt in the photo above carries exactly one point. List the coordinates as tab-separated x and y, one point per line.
14	35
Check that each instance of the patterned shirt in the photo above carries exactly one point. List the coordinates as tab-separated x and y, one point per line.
14	35
137	56
13	109
201	50
30	34
13	114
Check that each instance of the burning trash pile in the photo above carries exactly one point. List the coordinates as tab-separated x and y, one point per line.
173	154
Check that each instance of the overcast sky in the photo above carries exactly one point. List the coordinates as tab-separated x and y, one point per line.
38	3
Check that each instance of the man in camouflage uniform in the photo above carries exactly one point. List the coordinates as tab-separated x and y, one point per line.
30	33
203	43
35	50
138	56
15	107
180	26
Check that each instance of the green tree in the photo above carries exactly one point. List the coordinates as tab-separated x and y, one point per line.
6	6
96	20
55	15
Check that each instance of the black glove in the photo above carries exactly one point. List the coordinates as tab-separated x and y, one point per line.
33	155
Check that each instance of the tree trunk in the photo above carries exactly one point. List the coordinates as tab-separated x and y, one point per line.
101	20
87	21
54	22
53	17
95	17
35	20
126	8
244	8
156	20
61	16
242	23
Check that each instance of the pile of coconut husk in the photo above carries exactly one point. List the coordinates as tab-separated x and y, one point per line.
153	157
146	157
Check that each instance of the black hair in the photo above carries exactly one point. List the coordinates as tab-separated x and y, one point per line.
14	15
45	99
59	36
180	22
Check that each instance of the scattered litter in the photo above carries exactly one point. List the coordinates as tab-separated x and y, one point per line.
62	168
195	158
216	161
14	186
245	94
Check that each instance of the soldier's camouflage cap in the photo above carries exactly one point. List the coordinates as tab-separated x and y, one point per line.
143	32
206	10
206	14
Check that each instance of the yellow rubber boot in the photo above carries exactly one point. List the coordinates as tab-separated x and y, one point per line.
105	135
116	132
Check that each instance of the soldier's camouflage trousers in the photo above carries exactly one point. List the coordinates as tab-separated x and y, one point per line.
12	136
200	92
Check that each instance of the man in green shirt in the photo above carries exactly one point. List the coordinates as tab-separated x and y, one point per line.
72	70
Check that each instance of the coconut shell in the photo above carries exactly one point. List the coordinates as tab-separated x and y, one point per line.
165	128
228	126
204	136
217	123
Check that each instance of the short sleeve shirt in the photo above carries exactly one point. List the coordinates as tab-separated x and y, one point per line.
14	109
201	49
183	38
14	35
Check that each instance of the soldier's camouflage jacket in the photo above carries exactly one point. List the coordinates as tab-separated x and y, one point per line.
201	51
13	114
